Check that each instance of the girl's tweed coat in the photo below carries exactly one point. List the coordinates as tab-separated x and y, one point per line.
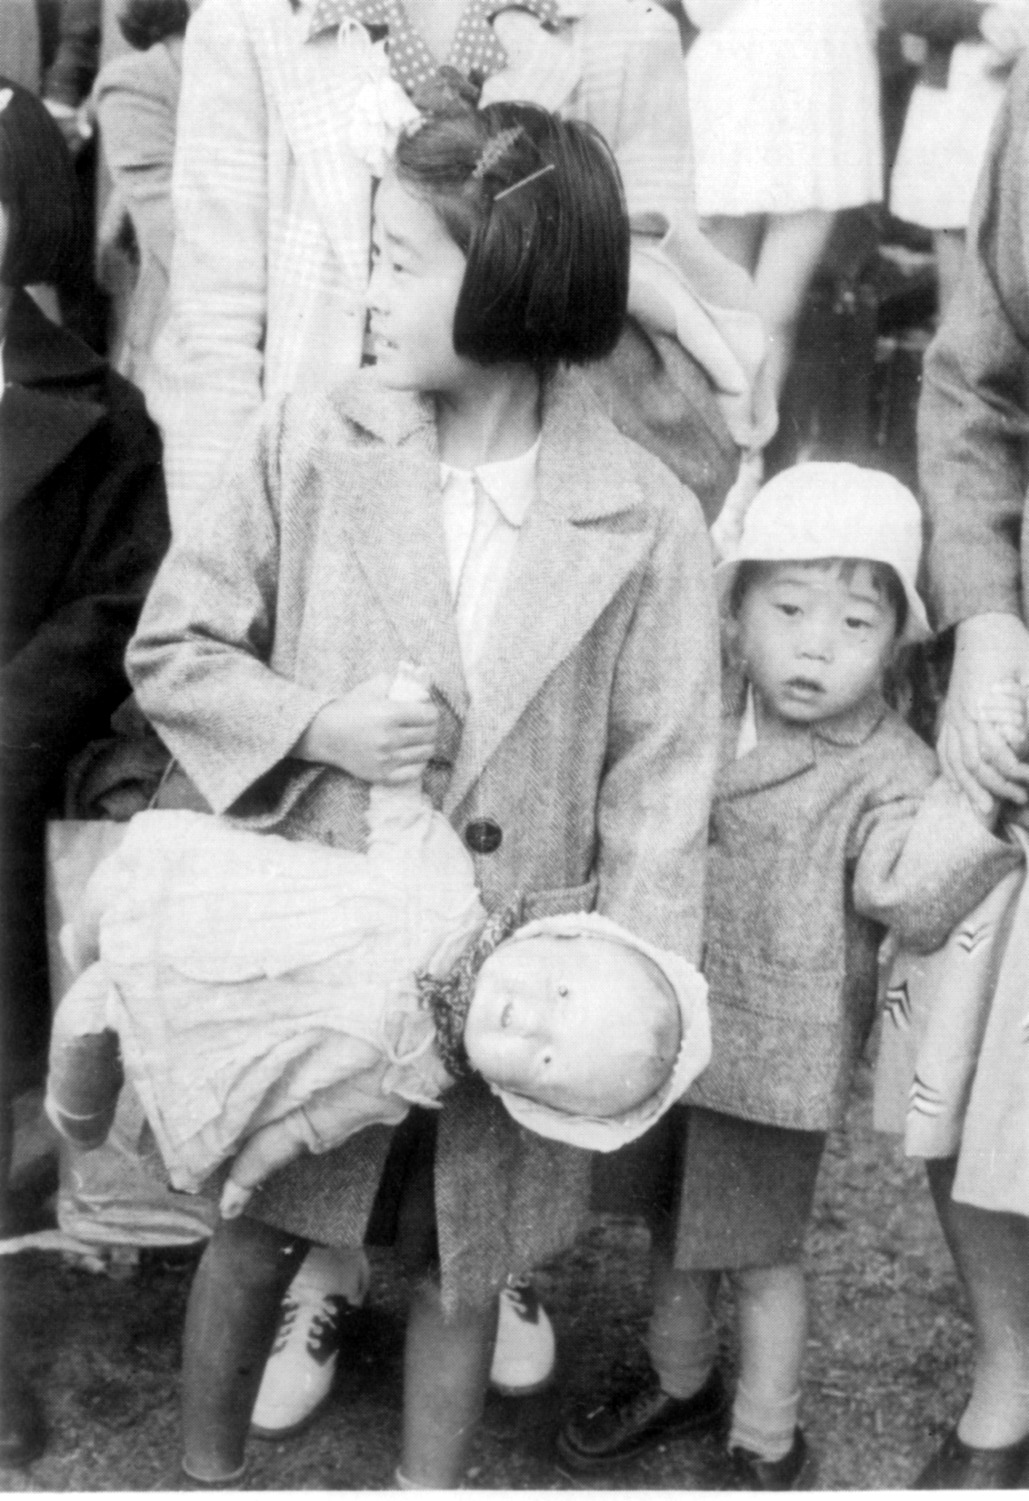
591	746
821	837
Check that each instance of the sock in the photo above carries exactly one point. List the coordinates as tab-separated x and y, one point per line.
682	1340
763	1426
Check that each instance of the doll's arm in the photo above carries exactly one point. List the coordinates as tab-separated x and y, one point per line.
271	1148
325	1121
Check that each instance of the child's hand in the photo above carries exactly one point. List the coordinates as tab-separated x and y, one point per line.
1001	710
372	736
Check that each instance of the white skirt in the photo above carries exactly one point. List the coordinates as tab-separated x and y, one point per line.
943	144
784	108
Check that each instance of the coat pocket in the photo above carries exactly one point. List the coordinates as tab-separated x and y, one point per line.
560	899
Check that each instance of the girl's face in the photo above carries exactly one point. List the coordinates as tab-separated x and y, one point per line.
417	273
816	638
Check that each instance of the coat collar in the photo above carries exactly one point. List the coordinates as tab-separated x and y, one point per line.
565	571
48	405
783	750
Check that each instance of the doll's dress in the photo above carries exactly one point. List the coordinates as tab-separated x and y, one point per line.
952	1074
244	973
784	109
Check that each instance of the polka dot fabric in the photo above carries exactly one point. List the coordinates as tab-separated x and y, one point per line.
476	51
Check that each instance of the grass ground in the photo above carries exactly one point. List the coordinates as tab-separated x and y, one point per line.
888	1361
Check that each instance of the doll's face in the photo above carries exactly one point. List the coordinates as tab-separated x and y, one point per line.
816	638
582	1024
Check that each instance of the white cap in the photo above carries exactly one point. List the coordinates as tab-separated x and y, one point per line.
821	510
608	1133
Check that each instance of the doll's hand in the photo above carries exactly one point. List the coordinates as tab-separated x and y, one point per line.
372	736
272	1147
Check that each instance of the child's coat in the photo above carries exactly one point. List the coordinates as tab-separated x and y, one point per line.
821	837
590	751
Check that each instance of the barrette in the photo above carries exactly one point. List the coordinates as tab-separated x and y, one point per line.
494	151
522	181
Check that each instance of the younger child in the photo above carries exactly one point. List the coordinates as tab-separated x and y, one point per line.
286	995
829	825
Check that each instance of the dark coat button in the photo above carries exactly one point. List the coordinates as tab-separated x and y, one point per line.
483	836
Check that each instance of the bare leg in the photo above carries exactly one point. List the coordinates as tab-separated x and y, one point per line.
991	1252
446	1370
949	248
791	249
738	237
230	1324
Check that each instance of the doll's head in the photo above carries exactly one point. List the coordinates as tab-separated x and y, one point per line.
500	237
41	232
822	589
580	1027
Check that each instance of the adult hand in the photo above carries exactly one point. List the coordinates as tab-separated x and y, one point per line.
372	736
974	753
1006	28
541	67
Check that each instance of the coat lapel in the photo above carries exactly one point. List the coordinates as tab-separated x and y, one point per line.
397	534
783	750
38	430
40	426
566	569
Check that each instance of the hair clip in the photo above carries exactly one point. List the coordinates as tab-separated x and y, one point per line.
6	95
522	181
494	150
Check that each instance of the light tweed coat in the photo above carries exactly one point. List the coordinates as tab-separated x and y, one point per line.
592	744
820	838
273	214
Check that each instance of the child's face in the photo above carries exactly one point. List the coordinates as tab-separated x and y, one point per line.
416	279
816	638
565	1021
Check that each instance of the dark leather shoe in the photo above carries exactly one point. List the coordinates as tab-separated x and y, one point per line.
956	1466
22	1430
621	1430
794	1472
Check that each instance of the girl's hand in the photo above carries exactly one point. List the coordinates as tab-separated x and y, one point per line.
372	736
974	751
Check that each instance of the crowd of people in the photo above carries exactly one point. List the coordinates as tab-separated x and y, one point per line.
504	762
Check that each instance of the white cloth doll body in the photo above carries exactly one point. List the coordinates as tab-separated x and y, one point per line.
244	973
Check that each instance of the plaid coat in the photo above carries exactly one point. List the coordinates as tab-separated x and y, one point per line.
273	212
821	838
591	747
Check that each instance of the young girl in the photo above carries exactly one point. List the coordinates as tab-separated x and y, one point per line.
829	822
465	504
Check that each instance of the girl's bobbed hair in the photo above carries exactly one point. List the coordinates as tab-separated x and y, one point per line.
535	203
144	23
46	239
